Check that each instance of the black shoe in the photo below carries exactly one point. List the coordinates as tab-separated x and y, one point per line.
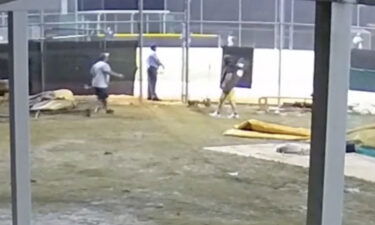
109	111
88	112
156	99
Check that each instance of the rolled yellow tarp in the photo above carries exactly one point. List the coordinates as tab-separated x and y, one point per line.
64	94
62	99
53	105
365	136
259	135
264	130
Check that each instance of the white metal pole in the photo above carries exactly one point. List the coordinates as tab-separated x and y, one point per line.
183	48
132	23
331	84
164	17
116	24
3	16
141	43
147	23
359	15
337	113
291	26
19	118
64	7
76	8
42	50
240	23
281	47
187	51
98	23
276	28
201	16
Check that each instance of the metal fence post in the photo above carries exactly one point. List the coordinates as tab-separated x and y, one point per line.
240	23
141	40
183	64
276	27
19	117
187	46
281	47
291	25
331	83
42	51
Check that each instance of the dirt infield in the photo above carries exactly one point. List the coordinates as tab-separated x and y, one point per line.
145	165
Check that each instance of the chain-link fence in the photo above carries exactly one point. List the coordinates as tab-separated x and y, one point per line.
266	24
248	22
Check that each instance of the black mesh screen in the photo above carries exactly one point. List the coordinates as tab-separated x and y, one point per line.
247	54
67	64
57	65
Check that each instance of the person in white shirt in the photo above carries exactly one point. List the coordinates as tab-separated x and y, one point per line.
101	74
358	41
153	64
230	40
109	33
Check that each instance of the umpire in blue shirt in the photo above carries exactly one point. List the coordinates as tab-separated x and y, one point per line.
153	64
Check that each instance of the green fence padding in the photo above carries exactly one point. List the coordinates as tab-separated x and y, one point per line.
362	80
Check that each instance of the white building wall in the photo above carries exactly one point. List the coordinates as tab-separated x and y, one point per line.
205	67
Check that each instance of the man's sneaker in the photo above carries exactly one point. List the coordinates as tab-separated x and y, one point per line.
234	116
110	111
215	114
156	99
97	109
88	112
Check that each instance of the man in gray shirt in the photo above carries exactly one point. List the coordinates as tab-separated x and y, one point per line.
153	64
101	74
232	73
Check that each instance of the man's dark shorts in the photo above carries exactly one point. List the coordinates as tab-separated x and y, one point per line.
101	93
